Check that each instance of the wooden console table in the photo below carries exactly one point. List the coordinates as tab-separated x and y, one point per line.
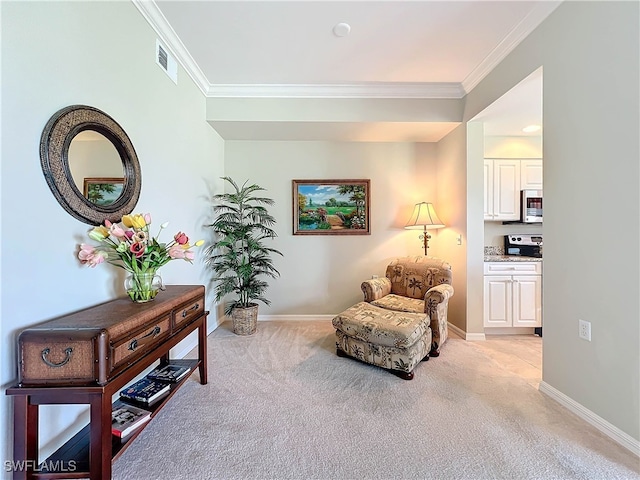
91	451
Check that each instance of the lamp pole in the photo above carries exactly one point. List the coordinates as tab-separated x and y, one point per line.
425	238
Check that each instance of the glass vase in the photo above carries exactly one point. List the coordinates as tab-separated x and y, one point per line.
143	287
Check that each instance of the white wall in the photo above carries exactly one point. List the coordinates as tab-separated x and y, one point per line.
101	54
452	194
512	147
591	123
321	275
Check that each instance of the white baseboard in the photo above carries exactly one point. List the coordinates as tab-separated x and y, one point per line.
509	331
624	439
475	337
274	318
295	318
472	337
189	343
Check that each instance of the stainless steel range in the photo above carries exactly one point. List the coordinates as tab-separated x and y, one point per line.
523	244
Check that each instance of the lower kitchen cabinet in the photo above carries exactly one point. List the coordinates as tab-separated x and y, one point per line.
512	294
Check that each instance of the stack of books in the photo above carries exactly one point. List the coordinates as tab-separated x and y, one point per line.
126	419
169	373
146	391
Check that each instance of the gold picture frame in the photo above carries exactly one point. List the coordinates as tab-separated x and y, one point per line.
103	190
331	207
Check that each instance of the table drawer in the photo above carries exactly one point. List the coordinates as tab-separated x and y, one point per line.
187	312
60	357
137	343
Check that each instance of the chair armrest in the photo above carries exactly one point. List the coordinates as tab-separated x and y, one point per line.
436	304
437	294
375	288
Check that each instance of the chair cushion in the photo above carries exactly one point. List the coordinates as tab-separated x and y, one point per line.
413	276
399	303
382	327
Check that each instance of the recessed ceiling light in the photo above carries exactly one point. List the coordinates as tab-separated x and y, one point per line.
531	128
341	29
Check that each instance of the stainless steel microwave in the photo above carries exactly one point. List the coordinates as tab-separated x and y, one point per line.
531	206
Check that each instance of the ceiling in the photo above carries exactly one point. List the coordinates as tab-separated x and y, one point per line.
399	49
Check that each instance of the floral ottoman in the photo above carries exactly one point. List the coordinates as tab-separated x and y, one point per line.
394	340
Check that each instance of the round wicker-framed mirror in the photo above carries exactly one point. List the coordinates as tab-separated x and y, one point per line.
87	205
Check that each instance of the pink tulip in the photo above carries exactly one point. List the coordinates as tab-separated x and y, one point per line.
176	252
85	251
91	257
181	238
137	249
147	218
188	255
116	230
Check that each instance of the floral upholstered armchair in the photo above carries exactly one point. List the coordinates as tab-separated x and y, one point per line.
417	285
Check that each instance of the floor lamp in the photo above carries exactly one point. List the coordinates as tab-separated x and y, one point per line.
424	218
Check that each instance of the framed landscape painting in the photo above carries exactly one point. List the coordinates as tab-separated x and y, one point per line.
103	190
331	207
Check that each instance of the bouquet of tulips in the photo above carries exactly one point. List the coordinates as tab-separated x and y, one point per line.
129	245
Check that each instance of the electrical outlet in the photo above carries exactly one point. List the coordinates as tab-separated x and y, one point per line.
374	276
584	331
459	239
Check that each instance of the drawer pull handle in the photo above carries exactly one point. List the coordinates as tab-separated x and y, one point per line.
135	343
186	312
67	357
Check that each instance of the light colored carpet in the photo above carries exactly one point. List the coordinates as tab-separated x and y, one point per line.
281	404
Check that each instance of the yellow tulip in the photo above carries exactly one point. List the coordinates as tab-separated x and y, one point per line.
126	221
135	221
199	243
139	221
99	233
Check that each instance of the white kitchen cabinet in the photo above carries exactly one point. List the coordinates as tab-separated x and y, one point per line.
531	174
512	294
488	189
502	189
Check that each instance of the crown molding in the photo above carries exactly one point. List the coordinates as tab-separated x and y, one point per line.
355	90
161	26
159	23
529	23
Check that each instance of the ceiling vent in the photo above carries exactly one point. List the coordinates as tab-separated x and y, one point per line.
166	62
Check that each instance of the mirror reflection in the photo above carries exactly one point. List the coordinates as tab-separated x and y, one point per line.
96	167
90	164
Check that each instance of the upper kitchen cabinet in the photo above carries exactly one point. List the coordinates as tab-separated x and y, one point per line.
504	178
531	174
502	183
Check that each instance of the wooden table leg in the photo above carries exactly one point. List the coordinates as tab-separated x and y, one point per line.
25	437
100	441
202	350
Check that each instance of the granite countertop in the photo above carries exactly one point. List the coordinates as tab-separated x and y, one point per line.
496	254
510	258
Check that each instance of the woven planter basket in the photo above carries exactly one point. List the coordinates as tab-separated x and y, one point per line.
245	320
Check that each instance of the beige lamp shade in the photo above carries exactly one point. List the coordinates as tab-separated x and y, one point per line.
424	217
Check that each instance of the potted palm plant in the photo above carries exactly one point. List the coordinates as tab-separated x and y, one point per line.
239	257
